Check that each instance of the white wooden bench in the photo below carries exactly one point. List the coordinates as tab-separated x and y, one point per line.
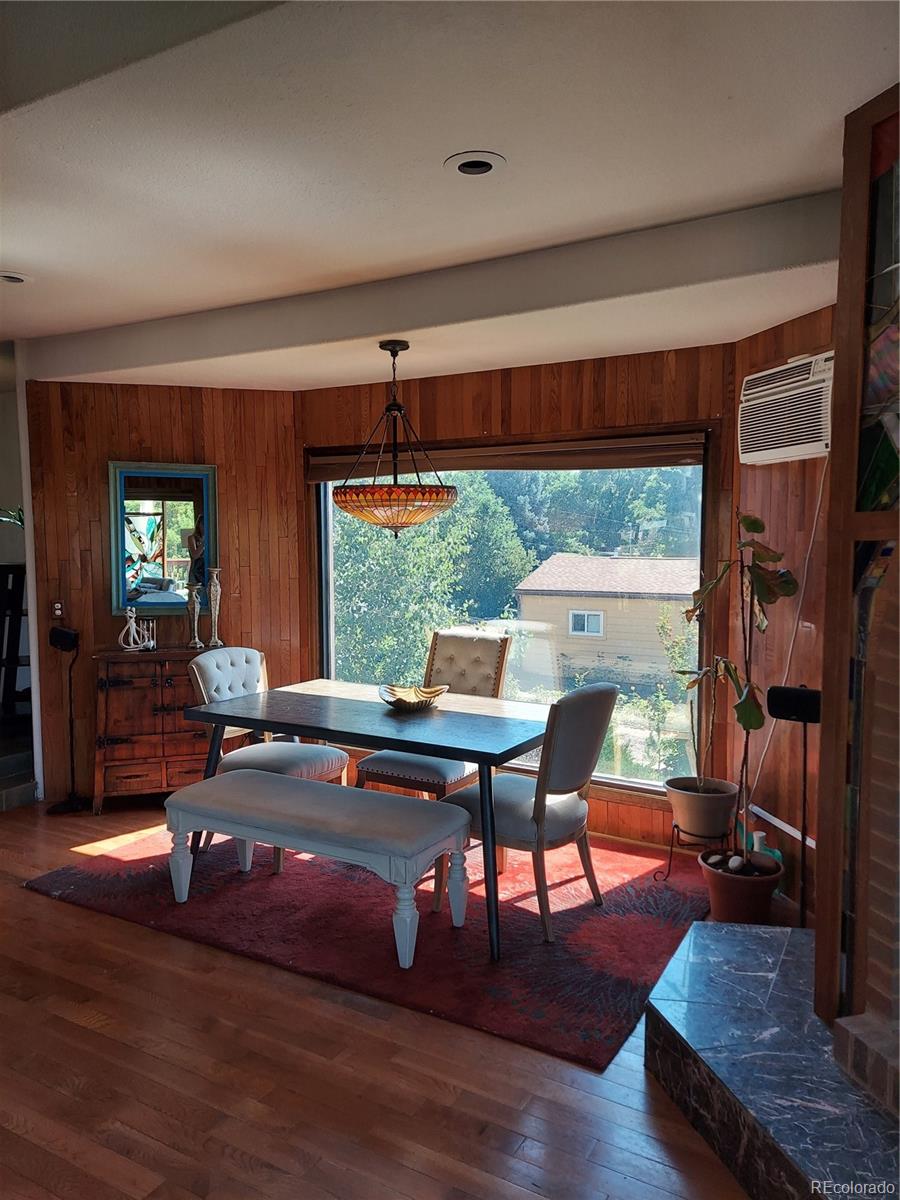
397	837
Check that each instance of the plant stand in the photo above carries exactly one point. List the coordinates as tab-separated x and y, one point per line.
660	876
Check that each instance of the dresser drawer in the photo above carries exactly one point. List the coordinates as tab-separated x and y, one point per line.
181	772
133	777
185	745
126	749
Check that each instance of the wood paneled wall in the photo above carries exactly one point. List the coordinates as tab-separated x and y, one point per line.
690	387
74	430
259	441
785	495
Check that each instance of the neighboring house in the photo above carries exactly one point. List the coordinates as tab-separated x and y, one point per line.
601	613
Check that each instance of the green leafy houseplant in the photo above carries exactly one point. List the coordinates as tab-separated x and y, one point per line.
12	516
762	583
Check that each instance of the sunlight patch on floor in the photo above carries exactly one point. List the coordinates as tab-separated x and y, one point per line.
109	846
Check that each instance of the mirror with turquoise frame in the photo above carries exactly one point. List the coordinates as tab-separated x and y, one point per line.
162	534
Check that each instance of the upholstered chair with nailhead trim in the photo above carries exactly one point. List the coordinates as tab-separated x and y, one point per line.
470	663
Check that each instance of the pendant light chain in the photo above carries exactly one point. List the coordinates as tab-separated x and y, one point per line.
396	505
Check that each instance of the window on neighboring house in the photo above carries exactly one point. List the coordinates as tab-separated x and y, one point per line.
585	622
514	552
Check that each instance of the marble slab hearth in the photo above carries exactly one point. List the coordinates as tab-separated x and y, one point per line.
733	1039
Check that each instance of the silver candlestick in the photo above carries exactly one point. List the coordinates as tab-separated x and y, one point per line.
193	606
214	591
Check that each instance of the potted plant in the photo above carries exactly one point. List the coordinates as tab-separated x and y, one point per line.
703	806
740	883
12	516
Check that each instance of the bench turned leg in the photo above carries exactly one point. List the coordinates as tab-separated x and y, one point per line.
180	863
244	853
406	923
458	887
277	860
440	882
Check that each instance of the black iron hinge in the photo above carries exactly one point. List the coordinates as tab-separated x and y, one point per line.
103	742
119	681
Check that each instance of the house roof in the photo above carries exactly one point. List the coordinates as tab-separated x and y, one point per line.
584	575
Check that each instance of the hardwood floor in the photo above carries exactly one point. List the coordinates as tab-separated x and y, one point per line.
135	1064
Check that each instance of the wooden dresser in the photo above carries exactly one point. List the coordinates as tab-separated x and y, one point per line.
144	743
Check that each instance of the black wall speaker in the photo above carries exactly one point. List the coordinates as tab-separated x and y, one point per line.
795	704
64	639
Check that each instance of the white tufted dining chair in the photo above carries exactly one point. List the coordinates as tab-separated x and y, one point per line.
470	663
233	671
551	810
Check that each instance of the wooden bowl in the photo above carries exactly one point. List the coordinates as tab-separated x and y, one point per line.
410	699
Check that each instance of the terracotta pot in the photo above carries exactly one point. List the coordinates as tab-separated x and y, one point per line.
742	899
706	814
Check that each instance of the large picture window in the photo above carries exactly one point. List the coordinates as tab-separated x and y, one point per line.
588	570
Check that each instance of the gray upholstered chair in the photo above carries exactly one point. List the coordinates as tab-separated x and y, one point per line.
550	810
473	663
233	671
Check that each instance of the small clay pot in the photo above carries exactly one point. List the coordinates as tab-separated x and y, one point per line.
742	899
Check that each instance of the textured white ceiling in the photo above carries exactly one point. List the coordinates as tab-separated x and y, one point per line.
301	149
47	46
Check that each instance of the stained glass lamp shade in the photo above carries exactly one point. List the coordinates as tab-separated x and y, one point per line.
395	506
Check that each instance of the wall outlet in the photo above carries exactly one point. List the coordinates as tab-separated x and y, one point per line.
56	610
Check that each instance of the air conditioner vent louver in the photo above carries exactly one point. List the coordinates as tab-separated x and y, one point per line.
785	413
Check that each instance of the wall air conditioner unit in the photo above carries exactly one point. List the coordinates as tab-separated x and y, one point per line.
785	413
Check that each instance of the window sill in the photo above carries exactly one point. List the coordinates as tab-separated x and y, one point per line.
623	791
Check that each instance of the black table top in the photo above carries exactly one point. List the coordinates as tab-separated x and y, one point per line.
463	728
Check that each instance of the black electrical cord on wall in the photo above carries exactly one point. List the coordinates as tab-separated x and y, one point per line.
68	641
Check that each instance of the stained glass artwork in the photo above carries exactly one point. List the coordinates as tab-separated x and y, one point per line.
143	546
879	435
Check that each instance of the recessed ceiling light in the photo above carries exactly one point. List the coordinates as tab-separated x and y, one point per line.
474	162
13	277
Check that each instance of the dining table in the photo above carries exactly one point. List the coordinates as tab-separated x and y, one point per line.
478	729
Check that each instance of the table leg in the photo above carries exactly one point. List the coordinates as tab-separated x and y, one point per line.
215	751
488	849
216	737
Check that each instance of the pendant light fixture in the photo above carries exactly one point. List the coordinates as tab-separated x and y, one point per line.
394	505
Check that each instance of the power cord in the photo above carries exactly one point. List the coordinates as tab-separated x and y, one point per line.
73	803
800	596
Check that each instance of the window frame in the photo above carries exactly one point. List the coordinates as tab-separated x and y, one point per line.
587	612
496	457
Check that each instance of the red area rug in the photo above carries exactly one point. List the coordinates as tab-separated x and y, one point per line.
579	998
